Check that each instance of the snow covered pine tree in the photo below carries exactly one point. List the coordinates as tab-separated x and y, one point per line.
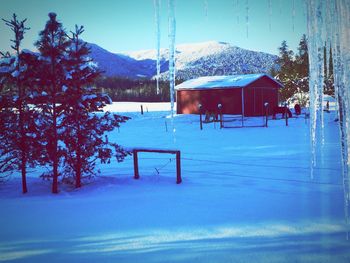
17	127
52	45
83	125
286	73
48	98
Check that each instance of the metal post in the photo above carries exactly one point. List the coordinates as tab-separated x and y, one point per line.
136	165
266	113
178	168
285	112
141	109
220	112
242	95
200	116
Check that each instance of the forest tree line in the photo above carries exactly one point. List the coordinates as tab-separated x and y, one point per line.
122	89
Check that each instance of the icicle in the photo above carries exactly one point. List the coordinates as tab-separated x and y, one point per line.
172	33
315	46
157	23
338	68
304	11
247	16
342	25
238	12
206	9
235	4
280	6
270	13
327	28
293	13
337	17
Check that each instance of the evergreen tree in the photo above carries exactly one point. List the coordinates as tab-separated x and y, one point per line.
302	62
83	128
17	118
52	45
328	75
302	71
286	73
294	72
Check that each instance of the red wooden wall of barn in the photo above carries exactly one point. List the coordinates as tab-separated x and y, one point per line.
255	95
255	98
188	100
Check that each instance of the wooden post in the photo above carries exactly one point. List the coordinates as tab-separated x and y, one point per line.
200	116
266	113
286	114
178	161
178	168
221	122
136	165
220	112
242	97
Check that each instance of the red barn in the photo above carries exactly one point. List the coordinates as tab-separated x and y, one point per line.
238	94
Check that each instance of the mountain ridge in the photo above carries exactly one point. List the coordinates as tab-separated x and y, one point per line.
192	60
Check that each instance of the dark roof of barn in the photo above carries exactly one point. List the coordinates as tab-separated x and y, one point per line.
214	82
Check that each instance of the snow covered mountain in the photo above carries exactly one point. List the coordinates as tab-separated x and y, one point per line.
119	65
192	60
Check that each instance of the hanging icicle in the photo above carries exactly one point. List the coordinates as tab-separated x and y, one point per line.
172	33
206	9
316	70
247	16
270	13
233	7
331	23
293	13
235	4
327	28
280	6
341	49
304	7
157	23
238	12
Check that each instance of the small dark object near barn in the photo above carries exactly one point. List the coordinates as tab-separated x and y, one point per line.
297	109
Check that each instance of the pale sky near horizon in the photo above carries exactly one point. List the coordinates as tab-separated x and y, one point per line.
125	25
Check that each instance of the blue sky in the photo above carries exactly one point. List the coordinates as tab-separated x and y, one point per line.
123	25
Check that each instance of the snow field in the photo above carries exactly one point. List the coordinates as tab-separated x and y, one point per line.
246	195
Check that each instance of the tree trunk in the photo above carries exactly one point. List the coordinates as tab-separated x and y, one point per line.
78	171
55	175
22	142
23	147
54	122
55	152
24	171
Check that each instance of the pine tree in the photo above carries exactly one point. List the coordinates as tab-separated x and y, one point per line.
16	115
84	128
302	60
328	74
302	70
52	45
286	73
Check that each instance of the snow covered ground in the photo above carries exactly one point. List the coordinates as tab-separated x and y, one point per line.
246	196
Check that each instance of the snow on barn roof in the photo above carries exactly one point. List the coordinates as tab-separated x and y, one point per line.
232	81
